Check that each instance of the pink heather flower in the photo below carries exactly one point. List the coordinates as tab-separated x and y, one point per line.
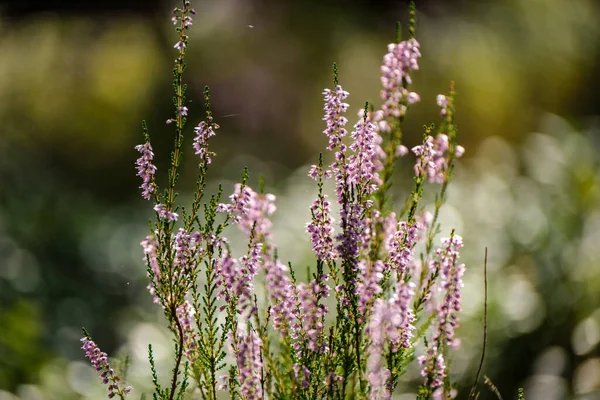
401	151
451	283
183	250
316	172
413	98
164	213
185	315
235	277
150	246
312	313
370	275
390	226
261	207
282	296
187	21
248	358
377	374
99	361
400	246
321	229
339	170
398	63
179	46
378	118
352	238
401	300
432	159
146	169
183	111
433	368
251	211
442	102
227	272
240	201
361	169
334	107
303	373
204	131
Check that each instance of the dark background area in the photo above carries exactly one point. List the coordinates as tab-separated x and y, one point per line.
77	78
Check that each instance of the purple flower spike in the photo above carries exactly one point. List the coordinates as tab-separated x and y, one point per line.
99	361
361	168
281	293
163	213
398	63
146	169
204	131
334	107
432	160
321	229
249	365
185	315
451	274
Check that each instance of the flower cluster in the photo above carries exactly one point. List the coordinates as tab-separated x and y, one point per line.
248	357
320	228
146	169
433	364
235	277
401	245
165	214
313	312
204	131
183	18
432	160
334	107
282	295
356	348
398	63
99	361
361	169
186	319
451	283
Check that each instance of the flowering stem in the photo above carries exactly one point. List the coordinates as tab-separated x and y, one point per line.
179	354
180	98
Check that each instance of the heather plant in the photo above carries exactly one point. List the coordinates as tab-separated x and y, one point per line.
380	285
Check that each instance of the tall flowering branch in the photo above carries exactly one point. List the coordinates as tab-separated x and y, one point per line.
334	108
282	296
379	293
362	171
451	283
398	63
182	19
433	362
312	313
100	363
447	136
397	67
204	131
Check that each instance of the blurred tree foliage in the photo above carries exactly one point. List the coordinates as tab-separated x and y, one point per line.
76	79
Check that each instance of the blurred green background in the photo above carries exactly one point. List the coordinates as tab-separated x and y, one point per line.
77	78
